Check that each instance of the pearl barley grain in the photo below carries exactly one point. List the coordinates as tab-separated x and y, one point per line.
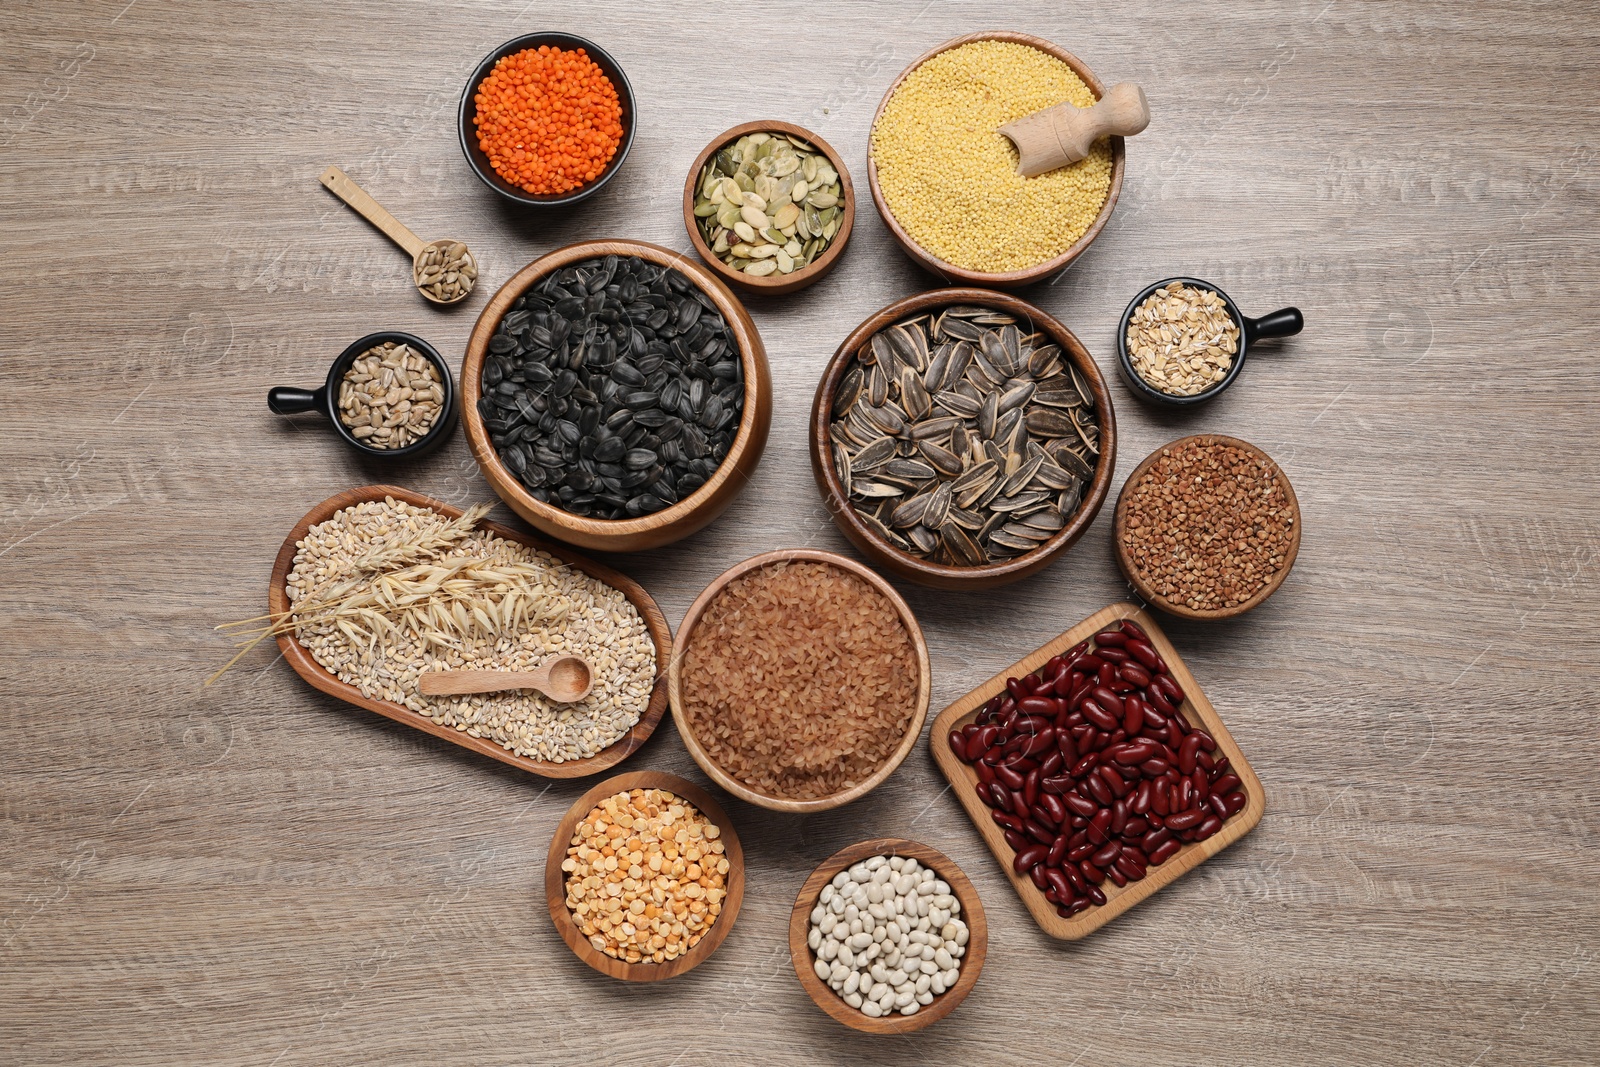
890	956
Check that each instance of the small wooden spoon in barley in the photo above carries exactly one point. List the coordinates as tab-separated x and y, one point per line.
426	257
566	679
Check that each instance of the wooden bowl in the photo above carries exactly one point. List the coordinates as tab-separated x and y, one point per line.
971	913
886	555
687	515
1136	578
913	728
318	675
1014	279
773	284
555	879
1196	708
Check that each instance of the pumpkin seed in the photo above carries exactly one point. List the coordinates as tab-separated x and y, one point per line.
768	192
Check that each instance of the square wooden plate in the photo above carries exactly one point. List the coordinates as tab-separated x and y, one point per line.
1196	708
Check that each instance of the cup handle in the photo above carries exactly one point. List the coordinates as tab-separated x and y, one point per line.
1284	322
284	400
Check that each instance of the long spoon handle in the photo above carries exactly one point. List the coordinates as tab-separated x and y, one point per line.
342	186
1063	134
458	683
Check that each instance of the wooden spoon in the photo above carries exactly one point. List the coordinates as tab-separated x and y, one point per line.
566	679
341	185
1063	134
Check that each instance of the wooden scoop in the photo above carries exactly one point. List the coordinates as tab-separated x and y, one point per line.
566	679
342	186
1062	134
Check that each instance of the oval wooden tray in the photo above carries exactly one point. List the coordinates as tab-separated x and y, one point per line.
308	668
1196	708
555	880
971	913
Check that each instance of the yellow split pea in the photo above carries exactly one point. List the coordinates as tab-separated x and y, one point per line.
646	876
950	178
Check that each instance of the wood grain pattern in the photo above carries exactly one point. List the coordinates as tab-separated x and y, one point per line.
772	284
301	660
555	880
1136	577
919	707
1010	279
687	515
258	873
902	563
1196	709
961	887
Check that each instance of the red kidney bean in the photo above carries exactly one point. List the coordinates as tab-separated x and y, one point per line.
986	738
1038	831
1145	653
1018	804
1037	874
1051	763
1163	684
1204	761
1056	783
1039	707
994	756
1016	840
1103	740
1105	854
1058	850
1030	788
1110	639
1039	742
1100	826
999	799
1076	906
1183	797
1154	839
1066	683
1183	820
1092	875
1112	655
1080	804
1074	877
1154	721
1084	765
1135	827
1208	826
1058	882
1119	786
1155	768
1006	819
1032	724
985	772
1054	807
1221	765
1105	674
958	745
1116	877
1098	788
1233	803
1139	750
1018	762
1186	751
1134	674
1009	777
1096	894
1107	700
1160	803
1089	664
1029	856
1158	699
1140	801
1130	867
1098	715
1225	783
1201	783
1164	852
1081	852
1119	816
1018	689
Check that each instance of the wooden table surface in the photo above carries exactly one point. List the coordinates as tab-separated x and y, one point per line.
256	874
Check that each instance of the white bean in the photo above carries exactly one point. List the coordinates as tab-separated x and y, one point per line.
925	997
871	1010
853	999
874	863
823	970
852	982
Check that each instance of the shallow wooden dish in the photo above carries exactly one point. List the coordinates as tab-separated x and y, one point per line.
312	671
670	524
1027	275
555	879
884	554
971	913
913	728
1142	586
1196	708
774	284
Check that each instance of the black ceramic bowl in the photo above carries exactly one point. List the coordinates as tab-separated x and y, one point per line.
479	160
1281	323
284	400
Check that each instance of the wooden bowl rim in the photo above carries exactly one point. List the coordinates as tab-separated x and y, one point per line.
773	284
1197	709
555	878
1143	587
752	360
913	566
319	676
972	914
1024	275
919	711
